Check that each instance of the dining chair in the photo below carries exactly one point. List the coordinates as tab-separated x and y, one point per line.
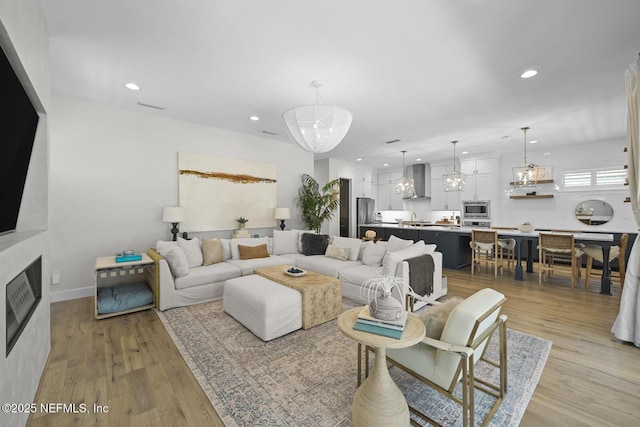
595	252
484	248
554	248
444	361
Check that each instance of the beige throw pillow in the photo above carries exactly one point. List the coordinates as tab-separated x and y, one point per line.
211	251
251	252
337	252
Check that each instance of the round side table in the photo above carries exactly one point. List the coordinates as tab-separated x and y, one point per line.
378	401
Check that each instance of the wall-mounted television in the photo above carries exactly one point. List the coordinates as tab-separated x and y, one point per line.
18	124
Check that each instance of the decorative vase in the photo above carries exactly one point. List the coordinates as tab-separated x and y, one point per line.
385	307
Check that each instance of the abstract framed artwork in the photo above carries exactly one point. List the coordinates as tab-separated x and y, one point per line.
217	190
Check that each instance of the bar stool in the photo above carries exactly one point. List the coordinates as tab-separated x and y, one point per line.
595	252
484	248
507	246
554	247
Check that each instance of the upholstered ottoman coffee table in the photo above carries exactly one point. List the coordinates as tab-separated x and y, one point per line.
321	294
267	309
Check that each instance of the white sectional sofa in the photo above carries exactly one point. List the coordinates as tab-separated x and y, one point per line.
185	276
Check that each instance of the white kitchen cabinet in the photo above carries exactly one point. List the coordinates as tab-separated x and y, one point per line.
440	199
479	179
387	197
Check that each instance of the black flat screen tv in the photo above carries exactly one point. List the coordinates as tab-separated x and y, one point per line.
18	124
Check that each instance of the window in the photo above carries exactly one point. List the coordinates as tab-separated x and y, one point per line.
612	178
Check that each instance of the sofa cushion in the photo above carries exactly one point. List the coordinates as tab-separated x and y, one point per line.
192	250
226	249
337	252
392	259
247	266
359	274
324	265
285	242
177	260
373	255
162	246
208	274
348	242
300	233
211	251
396	244
235	254
314	244
251	252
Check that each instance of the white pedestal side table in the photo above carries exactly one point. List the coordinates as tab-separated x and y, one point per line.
378	401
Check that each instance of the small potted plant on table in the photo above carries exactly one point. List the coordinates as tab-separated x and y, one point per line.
242	221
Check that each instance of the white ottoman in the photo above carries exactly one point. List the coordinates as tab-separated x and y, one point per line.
267	309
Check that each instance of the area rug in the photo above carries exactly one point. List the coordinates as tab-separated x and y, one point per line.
308	377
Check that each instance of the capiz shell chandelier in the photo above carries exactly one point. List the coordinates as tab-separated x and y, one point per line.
317	128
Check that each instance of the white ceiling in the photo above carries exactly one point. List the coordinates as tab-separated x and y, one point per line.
422	71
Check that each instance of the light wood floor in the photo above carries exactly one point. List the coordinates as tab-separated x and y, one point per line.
131	365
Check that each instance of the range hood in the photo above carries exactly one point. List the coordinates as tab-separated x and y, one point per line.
421	174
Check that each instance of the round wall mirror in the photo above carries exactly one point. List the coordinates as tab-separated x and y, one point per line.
594	212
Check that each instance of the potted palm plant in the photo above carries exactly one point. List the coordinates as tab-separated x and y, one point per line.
242	221
317	204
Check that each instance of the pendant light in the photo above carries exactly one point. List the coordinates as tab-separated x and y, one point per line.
317	128
454	181
405	186
526	175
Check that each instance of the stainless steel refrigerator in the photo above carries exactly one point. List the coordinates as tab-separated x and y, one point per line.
366	210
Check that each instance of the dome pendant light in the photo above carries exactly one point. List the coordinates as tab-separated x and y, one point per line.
454	181
317	128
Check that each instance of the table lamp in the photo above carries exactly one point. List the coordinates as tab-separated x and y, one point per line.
282	214
174	215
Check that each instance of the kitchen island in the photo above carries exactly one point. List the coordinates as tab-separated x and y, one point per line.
453	242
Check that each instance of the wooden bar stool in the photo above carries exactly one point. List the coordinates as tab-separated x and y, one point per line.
595	252
484	248
554	247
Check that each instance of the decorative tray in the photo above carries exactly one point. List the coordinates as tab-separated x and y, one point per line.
295	272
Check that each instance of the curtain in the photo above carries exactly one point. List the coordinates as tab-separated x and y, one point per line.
627	325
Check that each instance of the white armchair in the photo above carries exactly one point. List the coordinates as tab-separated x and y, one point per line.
441	363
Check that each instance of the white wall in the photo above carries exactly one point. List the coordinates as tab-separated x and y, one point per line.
112	172
558	212
23	38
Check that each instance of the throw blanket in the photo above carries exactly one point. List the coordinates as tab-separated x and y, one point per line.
421	274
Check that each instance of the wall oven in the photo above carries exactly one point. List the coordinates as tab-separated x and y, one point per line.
476	209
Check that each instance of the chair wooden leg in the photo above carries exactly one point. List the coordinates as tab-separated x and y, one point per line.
587	274
622	271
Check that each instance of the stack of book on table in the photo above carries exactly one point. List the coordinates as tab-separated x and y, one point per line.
388	328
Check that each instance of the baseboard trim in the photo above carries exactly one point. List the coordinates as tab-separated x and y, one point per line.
71	294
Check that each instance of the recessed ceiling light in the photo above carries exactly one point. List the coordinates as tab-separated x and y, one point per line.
465	152
547	154
358	159
418	160
386	164
535	141
132	86
254	118
528	74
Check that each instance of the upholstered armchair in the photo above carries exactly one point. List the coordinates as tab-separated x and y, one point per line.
442	363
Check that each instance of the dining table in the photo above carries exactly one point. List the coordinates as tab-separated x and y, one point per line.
604	240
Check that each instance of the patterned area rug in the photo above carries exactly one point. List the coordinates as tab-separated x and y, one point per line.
308	377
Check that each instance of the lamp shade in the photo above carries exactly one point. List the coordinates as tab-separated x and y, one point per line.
282	213
174	214
317	128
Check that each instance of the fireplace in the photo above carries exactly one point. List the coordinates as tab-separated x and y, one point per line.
23	293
